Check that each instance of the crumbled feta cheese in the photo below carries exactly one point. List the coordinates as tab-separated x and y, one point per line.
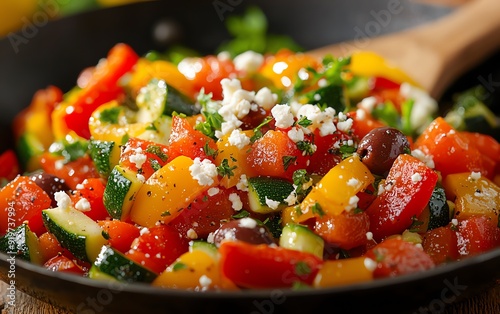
59	164
211	237
83	205
475	176
62	199
141	178
248	61
345	126
424	105
368	103
370	264
143	231
238	139
80	186
265	98
236	201
191	234
242	184
353	203
203	171
454	222
369	236
247	222
291	199
138	158
353	182
190	67
272	203
416	177
213	191
322	120
283	116
360	114
426	159
296	134
205	281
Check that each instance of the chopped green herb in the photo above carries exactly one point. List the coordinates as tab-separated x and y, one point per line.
179	266
304	122
347	151
300	178
316	209
209	151
257	131
110	115
306	147
165	213
299	285
156	150
302	268
241	214
154	164
125	139
288	160
225	170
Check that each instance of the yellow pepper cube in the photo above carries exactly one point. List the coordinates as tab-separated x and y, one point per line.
344	272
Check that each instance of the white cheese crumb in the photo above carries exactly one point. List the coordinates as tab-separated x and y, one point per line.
236	201
248	61
424	105
369	236
83	205
141	178
296	134
345	126
203	171
211	237
80	186
416	177
360	114
205	282
265	98
322	120
370	264
138	158
272	203
143	231
283	116
247	222
191	234
353	182
368	103
62	199
475	176
238	139
242	184
381	189
213	191
426	159
353	203
291	199
454	222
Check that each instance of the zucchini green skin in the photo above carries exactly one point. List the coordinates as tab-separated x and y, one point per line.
120	192
27	147
270	188
179	103
23	243
75	231
206	247
115	264
438	208
301	238
105	155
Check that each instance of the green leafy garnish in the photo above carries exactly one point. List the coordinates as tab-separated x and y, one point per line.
225	170
241	214
156	150
70	150
306	147
179	266
110	115
257	132
302	268
288	160
316	209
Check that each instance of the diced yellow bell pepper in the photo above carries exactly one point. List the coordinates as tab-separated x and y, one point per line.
344	271
195	270
473	197
335	191
236	157
163	196
367	63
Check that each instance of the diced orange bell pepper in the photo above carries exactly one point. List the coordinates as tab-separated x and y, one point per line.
344	271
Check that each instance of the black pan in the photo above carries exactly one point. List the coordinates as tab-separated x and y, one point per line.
56	52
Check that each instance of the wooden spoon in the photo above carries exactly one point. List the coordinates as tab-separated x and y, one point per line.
436	53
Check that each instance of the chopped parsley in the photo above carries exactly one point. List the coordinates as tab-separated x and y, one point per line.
306	147
225	170
302	268
179	266
316	209
347	151
257	132
156	150
154	164
110	115
288	160
209	151
241	214
304	122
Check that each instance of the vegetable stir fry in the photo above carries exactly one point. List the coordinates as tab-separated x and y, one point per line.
247	172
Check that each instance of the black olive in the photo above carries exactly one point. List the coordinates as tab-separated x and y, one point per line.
50	184
244	229
380	148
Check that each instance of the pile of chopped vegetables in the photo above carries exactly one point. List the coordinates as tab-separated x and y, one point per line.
254	171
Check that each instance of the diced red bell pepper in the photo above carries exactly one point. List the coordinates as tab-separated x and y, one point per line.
441	244
325	157
10	165
63	264
396	257
346	230
477	235
73	172
408	188
121	234
158	248
157	155
91	190
22	200
102	88
264	266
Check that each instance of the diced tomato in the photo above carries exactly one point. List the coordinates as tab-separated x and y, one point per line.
63	264
158	248
91	190
346	230
50	247
452	152
185	140
157	155
408	188
477	235
73	172
363	123
207	72
121	234
441	244
396	257
276	155
102	87
326	157
10	165
264	266
205	214
22	200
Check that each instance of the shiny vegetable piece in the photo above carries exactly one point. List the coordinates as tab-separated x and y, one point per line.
344	272
22	200
23	243
166	193
473	197
61	263
301	238
246	229
396	257
337	190
441	244
120	234
264	266
380	147
407	191
346	230
73	172
477	235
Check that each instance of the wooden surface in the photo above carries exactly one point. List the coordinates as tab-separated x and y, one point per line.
484	303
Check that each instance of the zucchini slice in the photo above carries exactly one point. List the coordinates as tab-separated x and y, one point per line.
112	264
105	155
268	194
439	211
23	243
75	231
120	192
301	238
